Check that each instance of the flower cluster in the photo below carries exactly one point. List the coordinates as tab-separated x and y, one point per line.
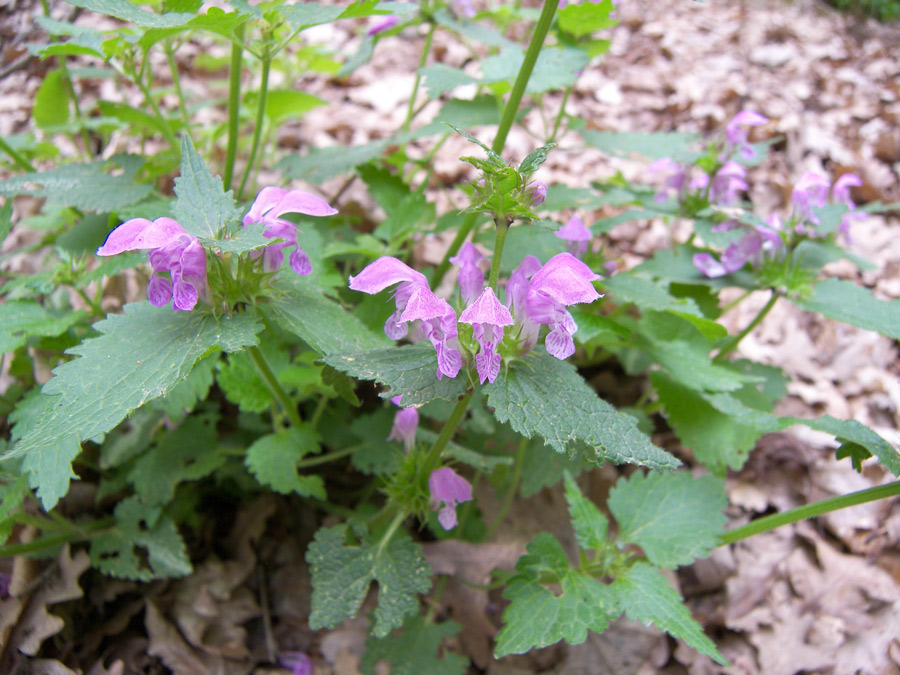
810	194
178	259
536	295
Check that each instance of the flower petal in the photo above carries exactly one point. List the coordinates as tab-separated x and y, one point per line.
487	309
565	279
298	201
140	233
384	272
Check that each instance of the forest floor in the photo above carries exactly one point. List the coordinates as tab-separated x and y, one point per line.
821	596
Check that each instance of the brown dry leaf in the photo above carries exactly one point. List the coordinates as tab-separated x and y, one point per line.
167	645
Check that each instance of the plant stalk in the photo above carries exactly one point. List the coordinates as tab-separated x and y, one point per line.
17	159
450	426
266	59
502	229
274	386
732	343
767	523
234	104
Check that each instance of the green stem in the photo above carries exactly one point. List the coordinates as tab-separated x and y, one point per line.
263	367
17	159
328	457
78	533
511	492
164	121
767	523
734	303
234	105
426	49
260	117
502	229
176	82
386	537
506	121
732	343
450	426
562	111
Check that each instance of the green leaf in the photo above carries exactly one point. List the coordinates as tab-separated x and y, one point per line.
139	356
410	371
242	384
203	208
289	104
321	164
12	496
542	469
215	20
137	118
845	301
82	40
184	396
472	30
309	14
855	438
5	226
555	69
122	9
674	517
51	103
585	18
534	159
543	395
674	144
415	650
647	597
85	186
717	439
187	453
342	573
301	309
21	319
589	524
273	460
143	546
537	617
440	78
249	238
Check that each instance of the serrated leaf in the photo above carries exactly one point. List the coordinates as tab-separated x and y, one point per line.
534	159
51	102
585	18
656	145
589	523
288	104
321	164
143	546
493	157
182	398
647	597
341	575
415	650
555	68
674	517
85	186
122	9
203	208
21	319
536	617
214	20
543	395
273	461
845	301
187	453
410	371
12	495
472	30
542	469
301	309
139	356
242	384
855	437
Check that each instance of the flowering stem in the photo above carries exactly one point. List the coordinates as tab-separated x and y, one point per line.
502	229
329	457
511	492
234	104
732	343
176	83
456	417
426	49
386	537
266	59
767	523
164	121
263	367
562	111
506	122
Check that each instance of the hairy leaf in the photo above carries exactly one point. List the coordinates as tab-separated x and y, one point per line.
21	319
273	460
845	301
589	524
342	573
656	145
674	517
416	650
203	208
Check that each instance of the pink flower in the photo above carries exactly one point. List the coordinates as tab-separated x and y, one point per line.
538	192
810	192
471	276
414	302
383	24
576	234
172	251
406	421
449	489
487	318
736	137
727	182
268	207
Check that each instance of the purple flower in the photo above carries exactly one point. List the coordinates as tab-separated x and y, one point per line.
272	203
810	192
298	662
538	192
383	24
736	137
414	301
449	489
516	290
840	191
406	421
463	8
471	276
563	281
487	318
172	250
753	246
727	182
576	234
676	178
